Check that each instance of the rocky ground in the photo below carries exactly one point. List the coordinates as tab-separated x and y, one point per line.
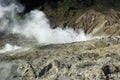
97	59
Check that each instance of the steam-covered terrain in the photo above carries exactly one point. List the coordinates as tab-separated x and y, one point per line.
34	26
40	44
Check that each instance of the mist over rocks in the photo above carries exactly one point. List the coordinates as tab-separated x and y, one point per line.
35	26
60	40
100	18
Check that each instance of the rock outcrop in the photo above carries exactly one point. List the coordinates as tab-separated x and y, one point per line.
97	23
97	59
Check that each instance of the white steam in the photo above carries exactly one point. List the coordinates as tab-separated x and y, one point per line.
9	47
5	70
8	11
36	26
9	8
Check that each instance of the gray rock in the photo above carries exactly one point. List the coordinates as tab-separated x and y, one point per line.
97	59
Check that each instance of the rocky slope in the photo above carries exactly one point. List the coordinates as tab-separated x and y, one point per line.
97	23
97	59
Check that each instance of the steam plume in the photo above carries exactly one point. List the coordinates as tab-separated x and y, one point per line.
36	26
9	47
